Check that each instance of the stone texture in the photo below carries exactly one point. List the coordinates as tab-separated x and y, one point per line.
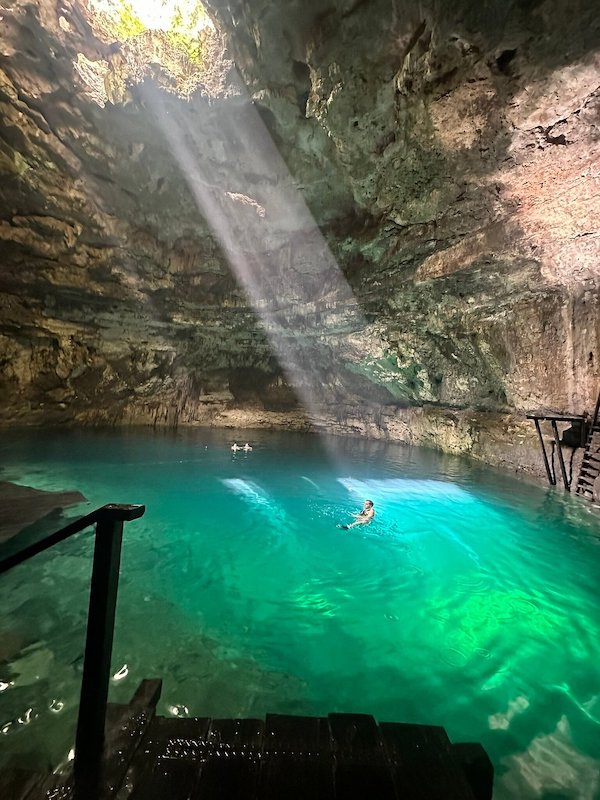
391	231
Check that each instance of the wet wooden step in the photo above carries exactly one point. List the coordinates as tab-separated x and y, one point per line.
168	762
338	757
232	762
361	766
591	457
583	480
423	762
296	759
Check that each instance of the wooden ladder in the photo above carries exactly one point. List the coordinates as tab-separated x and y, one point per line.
590	465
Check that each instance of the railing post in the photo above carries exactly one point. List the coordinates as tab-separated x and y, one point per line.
561	460
551	477
89	741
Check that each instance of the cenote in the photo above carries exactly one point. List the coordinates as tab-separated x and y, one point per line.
470	602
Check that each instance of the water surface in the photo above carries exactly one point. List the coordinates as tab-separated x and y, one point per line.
470	602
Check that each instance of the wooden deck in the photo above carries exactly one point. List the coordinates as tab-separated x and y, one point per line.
338	757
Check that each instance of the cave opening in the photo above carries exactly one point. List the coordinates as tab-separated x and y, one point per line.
136	15
172	41
237	179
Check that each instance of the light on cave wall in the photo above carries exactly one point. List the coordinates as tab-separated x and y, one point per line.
244	191
272	243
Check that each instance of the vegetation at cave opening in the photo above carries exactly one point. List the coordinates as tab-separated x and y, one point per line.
182	23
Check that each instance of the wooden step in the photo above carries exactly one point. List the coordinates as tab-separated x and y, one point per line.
591	457
297	759
477	767
586	480
168	763
232	763
422	757
589	473
338	757
361	768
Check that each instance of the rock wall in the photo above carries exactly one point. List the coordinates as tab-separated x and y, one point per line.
384	222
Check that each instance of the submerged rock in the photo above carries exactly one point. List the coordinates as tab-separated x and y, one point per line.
23	506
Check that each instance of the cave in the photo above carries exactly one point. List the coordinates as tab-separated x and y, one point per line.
366	224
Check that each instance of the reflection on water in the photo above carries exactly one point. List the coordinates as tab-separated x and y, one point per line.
470	601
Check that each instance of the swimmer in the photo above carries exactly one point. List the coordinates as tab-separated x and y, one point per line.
247	447
362	517
235	447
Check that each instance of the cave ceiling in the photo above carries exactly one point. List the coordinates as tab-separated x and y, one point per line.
368	206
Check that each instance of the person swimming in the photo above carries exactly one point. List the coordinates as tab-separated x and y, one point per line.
362	517
247	447
235	447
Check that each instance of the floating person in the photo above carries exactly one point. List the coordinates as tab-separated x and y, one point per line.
235	447
247	447
362	517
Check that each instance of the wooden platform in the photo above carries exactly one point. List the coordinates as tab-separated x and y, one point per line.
338	757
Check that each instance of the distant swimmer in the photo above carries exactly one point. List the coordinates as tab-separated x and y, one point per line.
235	447
362	517
247	447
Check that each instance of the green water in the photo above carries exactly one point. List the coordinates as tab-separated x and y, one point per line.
470	602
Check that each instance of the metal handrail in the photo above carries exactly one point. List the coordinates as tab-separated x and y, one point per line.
54	538
596	412
89	739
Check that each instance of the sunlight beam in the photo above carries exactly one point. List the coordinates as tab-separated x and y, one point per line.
272	244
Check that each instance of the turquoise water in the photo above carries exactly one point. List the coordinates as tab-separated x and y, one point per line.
470	602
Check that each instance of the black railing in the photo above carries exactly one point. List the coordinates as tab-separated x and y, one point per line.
89	739
578	424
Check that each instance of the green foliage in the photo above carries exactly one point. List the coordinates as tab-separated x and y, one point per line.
191	47
173	35
183	32
127	23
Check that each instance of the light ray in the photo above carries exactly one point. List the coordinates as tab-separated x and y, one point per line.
272	244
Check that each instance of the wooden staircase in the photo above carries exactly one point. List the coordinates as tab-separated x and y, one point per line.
337	757
588	483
